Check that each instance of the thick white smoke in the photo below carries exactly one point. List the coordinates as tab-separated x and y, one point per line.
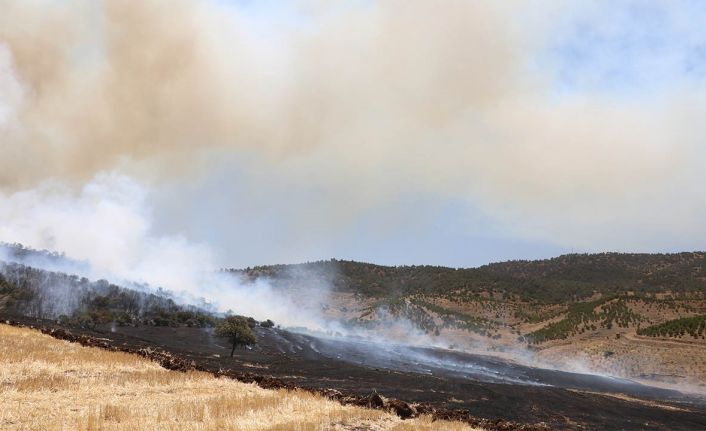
108	224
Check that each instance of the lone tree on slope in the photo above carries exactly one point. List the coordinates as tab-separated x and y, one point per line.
236	329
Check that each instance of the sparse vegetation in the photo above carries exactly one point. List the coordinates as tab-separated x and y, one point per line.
457	320
694	326
588	316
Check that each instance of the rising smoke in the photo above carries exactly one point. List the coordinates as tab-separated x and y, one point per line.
105	231
361	102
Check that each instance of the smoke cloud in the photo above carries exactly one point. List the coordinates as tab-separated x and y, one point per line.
362	102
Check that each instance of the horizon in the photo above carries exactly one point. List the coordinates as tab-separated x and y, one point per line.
335	259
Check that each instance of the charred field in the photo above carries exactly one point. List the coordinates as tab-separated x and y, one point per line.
408	335
344	369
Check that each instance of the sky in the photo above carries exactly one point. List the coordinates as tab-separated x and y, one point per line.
457	133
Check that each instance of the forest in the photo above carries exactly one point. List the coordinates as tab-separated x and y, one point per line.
75	300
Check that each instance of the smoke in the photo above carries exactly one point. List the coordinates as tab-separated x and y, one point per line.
55	296
106	232
362	102
106	223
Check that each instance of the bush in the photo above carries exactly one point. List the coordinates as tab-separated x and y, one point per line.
267	324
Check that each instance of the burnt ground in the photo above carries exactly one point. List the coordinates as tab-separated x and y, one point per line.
485	387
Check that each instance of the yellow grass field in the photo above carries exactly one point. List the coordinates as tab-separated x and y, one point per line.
49	384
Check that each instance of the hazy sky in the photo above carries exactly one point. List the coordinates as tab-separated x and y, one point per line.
456	132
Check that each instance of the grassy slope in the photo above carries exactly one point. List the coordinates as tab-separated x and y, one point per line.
51	384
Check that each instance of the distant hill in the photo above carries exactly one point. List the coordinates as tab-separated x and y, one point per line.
571	277
569	297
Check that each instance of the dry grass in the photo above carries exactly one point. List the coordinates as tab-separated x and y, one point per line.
48	384
664	363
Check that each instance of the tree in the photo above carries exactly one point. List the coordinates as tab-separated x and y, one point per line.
236	329
267	324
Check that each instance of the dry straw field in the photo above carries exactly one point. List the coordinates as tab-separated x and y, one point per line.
49	384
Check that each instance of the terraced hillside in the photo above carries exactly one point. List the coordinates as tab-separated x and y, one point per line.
678	328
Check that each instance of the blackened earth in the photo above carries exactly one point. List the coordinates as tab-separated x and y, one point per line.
487	387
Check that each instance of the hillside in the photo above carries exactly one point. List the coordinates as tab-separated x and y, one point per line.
595	309
652	335
52	384
562	296
686	326
29	291
565	278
